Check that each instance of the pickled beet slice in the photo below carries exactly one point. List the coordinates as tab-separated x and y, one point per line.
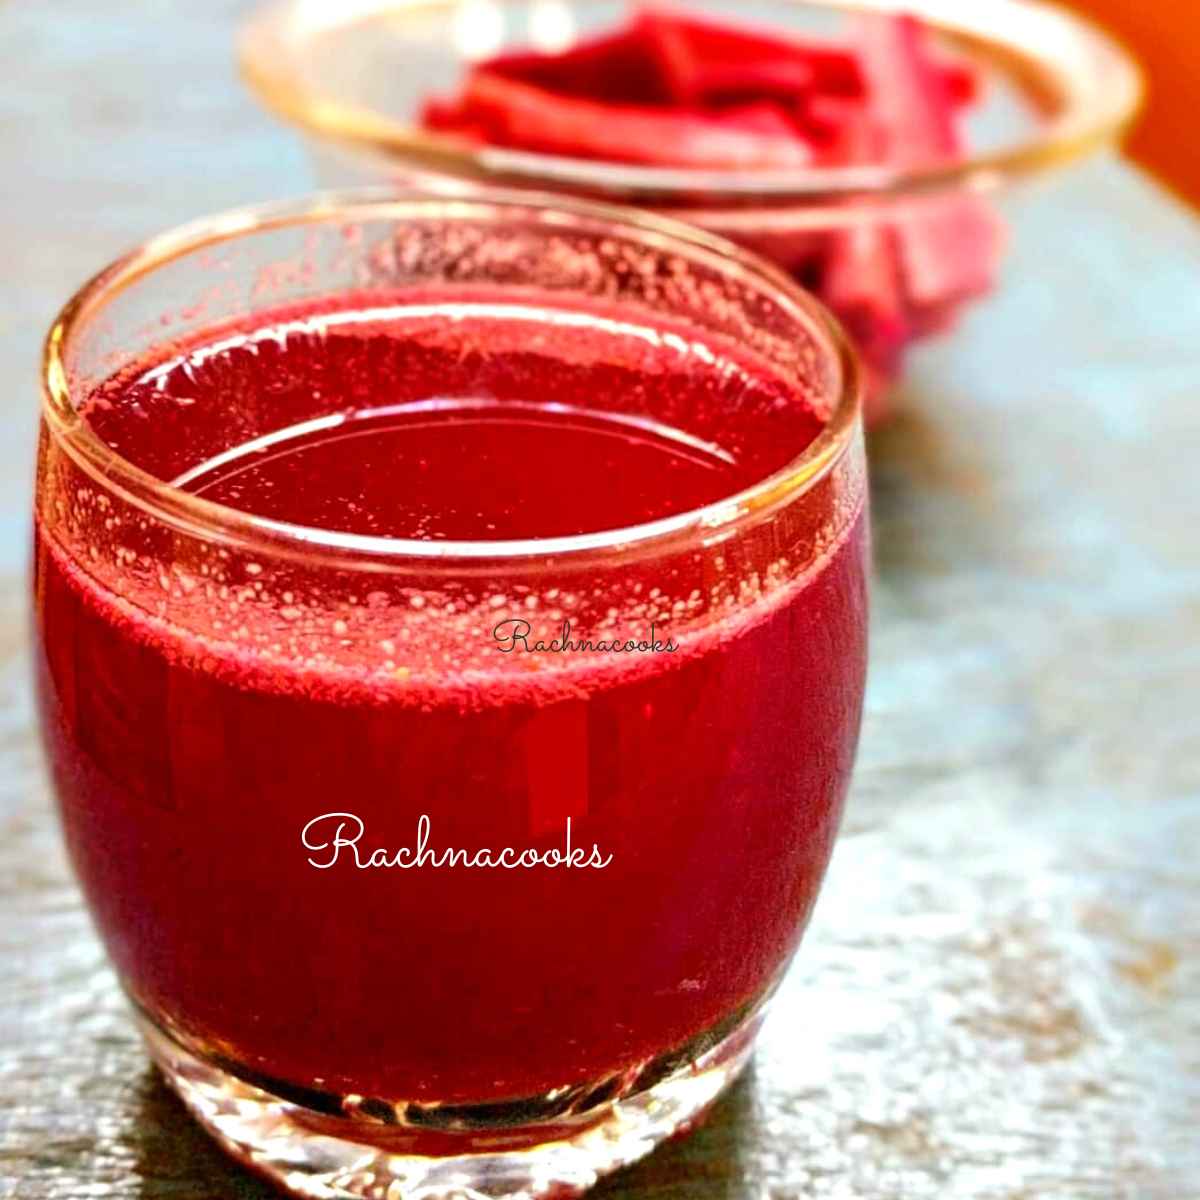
862	280
702	59
622	67
948	245
963	83
522	116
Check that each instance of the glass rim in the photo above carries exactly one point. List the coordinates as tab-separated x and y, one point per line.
1061	61
196	516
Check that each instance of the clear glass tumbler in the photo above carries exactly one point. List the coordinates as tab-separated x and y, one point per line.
444	865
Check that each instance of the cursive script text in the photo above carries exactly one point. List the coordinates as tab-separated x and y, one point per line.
338	836
515	633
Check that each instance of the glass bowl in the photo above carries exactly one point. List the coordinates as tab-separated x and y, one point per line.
353	77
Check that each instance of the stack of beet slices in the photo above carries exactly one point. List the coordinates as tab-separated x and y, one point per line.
675	90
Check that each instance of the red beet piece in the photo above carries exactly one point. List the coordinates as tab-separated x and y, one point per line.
830	124
621	67
782	81
861	281
949	245
449	116
702	59
521	116
963	83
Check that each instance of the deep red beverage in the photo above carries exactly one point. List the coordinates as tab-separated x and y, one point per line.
450	652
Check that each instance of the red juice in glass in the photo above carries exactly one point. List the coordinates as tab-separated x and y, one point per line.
451	648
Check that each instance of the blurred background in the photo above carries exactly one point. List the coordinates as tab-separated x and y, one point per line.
1165	34
108	95
998	993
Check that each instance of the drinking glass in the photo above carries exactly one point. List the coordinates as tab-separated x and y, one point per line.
404	906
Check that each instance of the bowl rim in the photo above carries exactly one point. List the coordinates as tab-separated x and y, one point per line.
196	516
1092	87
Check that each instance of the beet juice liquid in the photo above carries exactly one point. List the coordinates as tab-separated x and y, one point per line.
266	765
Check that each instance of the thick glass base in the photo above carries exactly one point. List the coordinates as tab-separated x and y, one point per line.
540	1147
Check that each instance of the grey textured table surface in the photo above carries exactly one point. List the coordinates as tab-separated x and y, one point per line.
1000	995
